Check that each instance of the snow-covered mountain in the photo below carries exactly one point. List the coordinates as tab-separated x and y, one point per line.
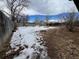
56	20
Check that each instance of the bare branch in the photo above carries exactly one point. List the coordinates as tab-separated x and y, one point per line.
6	12
16	6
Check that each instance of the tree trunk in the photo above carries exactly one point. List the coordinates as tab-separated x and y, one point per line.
14	21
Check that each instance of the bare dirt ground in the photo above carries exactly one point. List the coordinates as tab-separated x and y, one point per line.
62	44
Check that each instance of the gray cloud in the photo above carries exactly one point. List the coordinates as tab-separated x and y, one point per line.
53	6
48	7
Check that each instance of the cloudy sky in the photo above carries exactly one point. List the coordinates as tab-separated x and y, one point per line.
53	6
48	7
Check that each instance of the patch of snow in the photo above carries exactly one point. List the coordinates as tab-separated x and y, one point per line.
30	21
53	21
30	37
56	20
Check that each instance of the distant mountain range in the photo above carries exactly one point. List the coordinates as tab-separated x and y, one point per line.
43	17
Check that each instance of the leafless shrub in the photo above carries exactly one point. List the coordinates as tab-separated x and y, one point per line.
71	20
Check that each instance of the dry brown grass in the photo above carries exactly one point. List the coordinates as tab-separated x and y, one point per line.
62	44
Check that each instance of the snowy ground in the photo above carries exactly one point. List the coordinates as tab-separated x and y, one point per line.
31	41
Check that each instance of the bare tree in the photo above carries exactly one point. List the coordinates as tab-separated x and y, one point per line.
37	21
71	18
15	7
25	20
46	20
